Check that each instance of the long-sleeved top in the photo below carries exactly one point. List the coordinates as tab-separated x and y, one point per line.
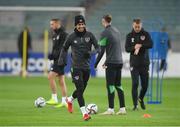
81	48
133	38
110	42
58	39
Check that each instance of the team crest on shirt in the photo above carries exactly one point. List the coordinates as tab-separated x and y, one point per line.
87	39
132	40
142	37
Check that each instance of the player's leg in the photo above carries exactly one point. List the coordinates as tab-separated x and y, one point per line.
85	77
77	76
78	81
135	82
120	91
62	84
74	94
51	77
110	78
144	75
63	89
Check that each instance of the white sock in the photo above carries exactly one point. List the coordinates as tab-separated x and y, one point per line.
54	96
70	99
111	109
83	110
122	109
63	100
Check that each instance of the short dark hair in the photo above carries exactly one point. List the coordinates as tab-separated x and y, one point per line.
137	21
56	20
107	18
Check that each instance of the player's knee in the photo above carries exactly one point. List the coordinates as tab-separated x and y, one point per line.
111	89
50	77
61	81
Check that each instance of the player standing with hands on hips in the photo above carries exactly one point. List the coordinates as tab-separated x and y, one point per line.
137	44
110	42
81	42
58	38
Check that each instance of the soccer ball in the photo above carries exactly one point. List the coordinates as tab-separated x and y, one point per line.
92	108
40	102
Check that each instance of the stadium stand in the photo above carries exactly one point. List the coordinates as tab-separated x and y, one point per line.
155	14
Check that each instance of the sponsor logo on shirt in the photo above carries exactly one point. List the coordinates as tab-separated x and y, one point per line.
132	40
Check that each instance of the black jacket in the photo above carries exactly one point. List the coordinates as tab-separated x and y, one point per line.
133	38
58	38
81	49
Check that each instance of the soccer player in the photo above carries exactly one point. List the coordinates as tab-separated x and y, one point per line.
138	41
110	42
58	38
81	42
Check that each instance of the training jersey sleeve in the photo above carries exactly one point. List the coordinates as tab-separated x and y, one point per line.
63	53
147	43
104	39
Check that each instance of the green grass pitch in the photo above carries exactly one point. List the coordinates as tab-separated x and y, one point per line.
17	97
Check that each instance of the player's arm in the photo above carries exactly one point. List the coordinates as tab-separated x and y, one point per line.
95	44
103	42
147	42
64	51
129	47
88	54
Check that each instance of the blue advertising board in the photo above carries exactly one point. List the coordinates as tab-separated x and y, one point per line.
11	63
